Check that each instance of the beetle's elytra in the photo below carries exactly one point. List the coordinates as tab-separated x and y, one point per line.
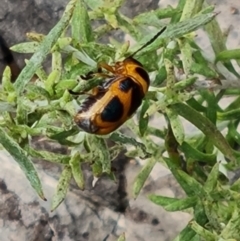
117	99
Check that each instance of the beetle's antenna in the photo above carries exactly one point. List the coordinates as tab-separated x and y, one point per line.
150	41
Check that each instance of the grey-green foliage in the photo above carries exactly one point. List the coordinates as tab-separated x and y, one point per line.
46	108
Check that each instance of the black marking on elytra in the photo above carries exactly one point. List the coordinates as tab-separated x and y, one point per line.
113	111
90	101
136	98
143	73
126	84
135	61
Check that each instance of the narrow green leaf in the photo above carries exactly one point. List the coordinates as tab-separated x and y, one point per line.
81	26
189	184
186	55
123	23
212	211
152	18
181	85
38	57
236	186
62	187
57	62
171	146
80	55
197	155
121	50
161	77
207	127
176	30
235	104
156	132
233	133
65	101
172	165
60	136
20	157
207	9
216	36
175	18
229	115
231	231
199	212
148	18
61	43
104	156
196	105
191	7
37	90
228	55
97	169
6	80
218	42
94	4
186	234
171	79
212	105
76	22
143	119
26	48
75	163
174	204
142	176
193	185
176	125
53	78
22	110
67	84
212	179
198	54
118	137
202	232
202	69
49	156
41	74
167	12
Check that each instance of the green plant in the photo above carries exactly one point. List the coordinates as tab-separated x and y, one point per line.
46	108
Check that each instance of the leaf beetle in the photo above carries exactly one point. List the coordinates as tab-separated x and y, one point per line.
117	99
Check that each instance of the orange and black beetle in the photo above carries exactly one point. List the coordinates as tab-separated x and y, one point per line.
115	101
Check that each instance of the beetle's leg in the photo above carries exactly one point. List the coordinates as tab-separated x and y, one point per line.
99	72
91	75
105	66
88	76
94	91
77	93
